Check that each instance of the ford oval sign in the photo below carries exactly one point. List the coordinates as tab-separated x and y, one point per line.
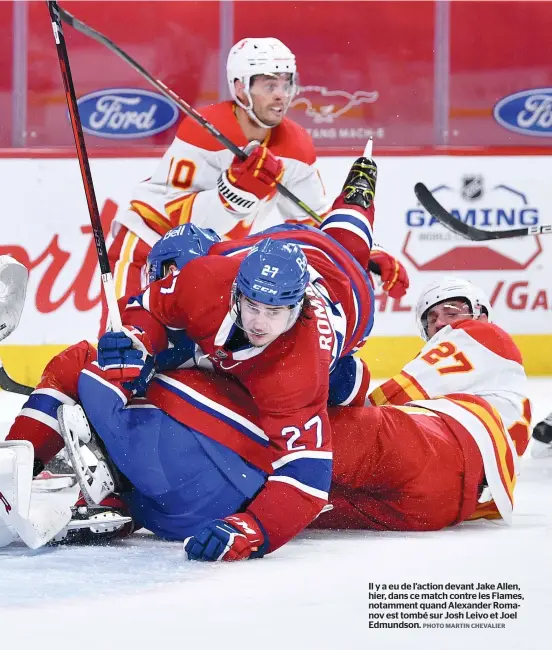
124	113
528	112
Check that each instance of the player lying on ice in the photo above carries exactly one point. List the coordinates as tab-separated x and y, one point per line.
419	462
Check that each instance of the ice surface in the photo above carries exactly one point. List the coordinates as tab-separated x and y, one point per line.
312	594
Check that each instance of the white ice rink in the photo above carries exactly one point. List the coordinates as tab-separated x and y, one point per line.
312	594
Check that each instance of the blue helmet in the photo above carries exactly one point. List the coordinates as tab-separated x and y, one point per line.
274	273
180	245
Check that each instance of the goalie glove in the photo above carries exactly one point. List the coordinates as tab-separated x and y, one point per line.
248	181
237	537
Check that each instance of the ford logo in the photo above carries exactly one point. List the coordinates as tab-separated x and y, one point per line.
124	113
528	112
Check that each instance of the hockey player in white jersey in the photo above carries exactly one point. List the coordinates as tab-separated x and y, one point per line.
467	355
198	180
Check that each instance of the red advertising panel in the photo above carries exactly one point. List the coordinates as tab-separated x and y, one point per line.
365	67
497	50
176	42
6	48
412	74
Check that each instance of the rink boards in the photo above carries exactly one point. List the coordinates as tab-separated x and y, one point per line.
46	226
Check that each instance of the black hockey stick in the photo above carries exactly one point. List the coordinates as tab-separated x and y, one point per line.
83	28
472	233
182	105
99	239
12	386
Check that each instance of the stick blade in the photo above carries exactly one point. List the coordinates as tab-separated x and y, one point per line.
435	209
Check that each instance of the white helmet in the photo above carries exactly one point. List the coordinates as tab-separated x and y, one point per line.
450	287
252	56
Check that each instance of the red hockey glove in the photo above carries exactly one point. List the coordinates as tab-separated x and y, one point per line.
237	537
392	272
250	180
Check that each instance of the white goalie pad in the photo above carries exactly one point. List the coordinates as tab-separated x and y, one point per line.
98	483
13	288
36	522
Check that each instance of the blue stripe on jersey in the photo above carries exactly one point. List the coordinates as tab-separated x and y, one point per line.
136	300
357	222
213	412
43	403
362	308
314	472
342	380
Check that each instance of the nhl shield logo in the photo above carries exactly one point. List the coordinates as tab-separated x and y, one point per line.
472	187
221	354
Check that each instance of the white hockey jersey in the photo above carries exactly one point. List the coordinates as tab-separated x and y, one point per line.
473	358
184	186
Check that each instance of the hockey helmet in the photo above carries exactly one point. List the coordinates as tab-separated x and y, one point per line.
450	288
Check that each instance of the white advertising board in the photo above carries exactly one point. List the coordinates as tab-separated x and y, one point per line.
45	223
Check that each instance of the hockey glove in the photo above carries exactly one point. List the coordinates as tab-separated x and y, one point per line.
393	274
124	355
237	537
250	180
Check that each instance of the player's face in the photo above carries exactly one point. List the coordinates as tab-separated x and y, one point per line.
446	313
271	97
262	323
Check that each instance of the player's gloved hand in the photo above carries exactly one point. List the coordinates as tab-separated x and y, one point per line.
250	180
237	537
123	355
393	274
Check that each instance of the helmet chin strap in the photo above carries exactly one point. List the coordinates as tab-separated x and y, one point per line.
250	112
249	109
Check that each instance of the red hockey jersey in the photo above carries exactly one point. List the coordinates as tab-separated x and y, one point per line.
288	379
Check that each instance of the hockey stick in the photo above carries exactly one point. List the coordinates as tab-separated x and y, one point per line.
99	239
10	385
472	233
83	28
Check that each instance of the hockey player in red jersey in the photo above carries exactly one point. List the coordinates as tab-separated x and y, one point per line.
277	313
200	181
293	313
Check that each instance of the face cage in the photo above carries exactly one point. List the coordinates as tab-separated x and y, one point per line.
472	314
235	311
249	109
